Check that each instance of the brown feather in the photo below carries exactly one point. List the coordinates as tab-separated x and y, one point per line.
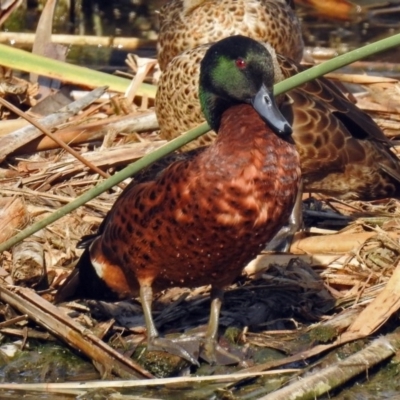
187	24
203	219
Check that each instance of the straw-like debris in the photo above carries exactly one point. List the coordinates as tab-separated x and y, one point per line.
338	285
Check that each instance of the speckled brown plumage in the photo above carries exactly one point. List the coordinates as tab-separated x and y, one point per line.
203	218
343	152
185	24
177	220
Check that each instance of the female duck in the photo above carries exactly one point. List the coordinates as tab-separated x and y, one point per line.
186	24
204	218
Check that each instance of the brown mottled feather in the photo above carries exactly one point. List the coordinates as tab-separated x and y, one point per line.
185	24
343	152
200	220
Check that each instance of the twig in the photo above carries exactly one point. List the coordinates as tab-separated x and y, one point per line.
310	387
30	333
18	138
13	321
186	381
64	327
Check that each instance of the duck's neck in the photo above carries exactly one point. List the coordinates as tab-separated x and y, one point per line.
213	108
245	144
242	127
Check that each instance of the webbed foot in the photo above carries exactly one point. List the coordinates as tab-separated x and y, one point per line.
186	348
214	354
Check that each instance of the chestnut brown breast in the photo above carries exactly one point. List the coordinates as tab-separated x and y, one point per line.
203	219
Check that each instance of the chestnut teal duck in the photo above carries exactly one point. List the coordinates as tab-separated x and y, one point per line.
203	218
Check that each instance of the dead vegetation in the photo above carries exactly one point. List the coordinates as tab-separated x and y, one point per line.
338	285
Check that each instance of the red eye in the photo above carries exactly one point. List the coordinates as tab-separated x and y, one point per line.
240	63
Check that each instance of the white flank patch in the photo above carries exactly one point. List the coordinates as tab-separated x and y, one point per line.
98	267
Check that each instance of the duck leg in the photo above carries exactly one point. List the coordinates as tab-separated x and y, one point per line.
154	341
211	351
283	239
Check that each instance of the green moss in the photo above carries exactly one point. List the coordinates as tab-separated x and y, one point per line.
159	363
233	334
266	354
323	334
46	363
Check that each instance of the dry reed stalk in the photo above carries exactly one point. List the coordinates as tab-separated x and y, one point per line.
44	174
8	126
88	132
380	309
14	140
359	79
178	382
334	244
13	217
21	39
96	204
264	260
47	315
312	386
28	267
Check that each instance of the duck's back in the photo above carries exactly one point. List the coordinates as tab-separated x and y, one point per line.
186	24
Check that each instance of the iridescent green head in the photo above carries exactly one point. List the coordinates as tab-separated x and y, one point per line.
237	70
